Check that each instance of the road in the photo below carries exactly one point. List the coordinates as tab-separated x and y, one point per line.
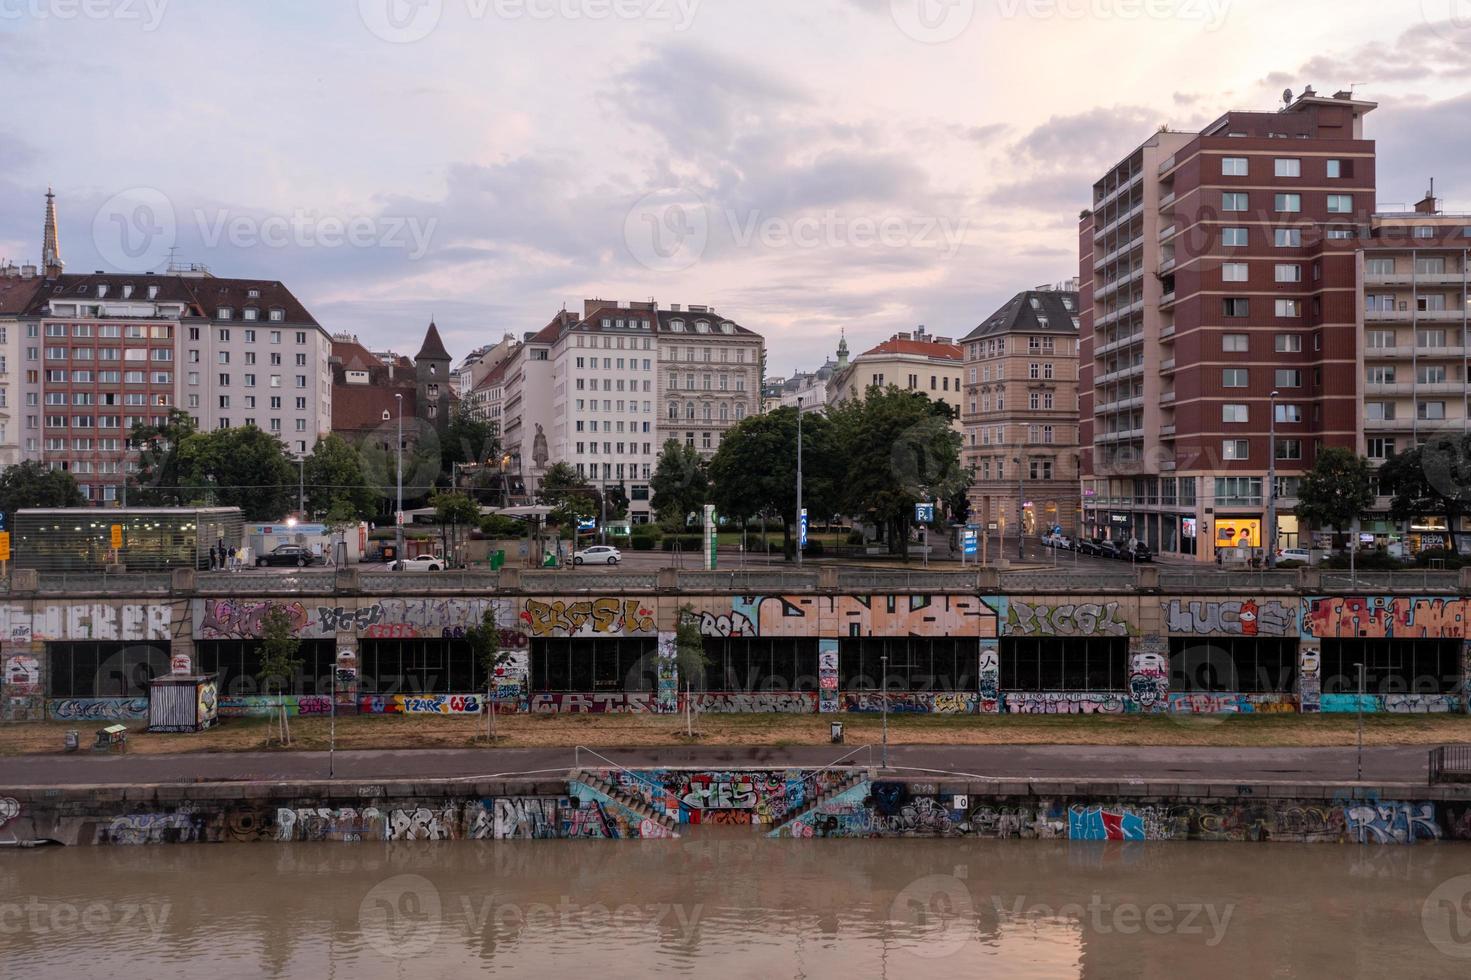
1066	762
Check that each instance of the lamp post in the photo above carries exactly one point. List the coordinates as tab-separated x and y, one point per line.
884	701
799	480
398	472
1021	506
301	486
1272	483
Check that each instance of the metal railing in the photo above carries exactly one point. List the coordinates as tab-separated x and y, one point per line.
1450	764
1066	580
102	583
1230	578
450	580
1402	580
747	581
878	579
549	580
314	581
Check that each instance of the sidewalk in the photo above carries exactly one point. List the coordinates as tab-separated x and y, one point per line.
1050	762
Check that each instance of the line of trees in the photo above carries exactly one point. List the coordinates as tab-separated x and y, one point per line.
873	459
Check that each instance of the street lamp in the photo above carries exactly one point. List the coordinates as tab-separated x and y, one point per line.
1272	483
799	480
301	485
398	472
1021	506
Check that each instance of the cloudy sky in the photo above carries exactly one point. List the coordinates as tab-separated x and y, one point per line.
804	166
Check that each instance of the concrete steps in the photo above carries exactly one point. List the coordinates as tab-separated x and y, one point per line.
850	782
632	804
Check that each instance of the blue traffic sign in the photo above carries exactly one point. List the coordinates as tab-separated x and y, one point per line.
802	531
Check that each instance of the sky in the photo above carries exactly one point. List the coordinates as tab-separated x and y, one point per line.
806	167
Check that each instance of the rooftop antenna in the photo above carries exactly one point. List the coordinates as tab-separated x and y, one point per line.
1287	96
173	265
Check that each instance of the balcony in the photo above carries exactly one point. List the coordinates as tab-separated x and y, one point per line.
1411	279
1167	431
1119	344
1119	405
1167	203
1167	398
1119	374
1168	299
1167	232
1165	265
1414	316
1167	366
1413	388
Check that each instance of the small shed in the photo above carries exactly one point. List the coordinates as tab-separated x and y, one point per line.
183	703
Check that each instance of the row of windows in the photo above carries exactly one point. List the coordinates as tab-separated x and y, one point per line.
1286	203
595	425
104	353
223	357
107	331
58	376
723	412
224	379
1334	169
608	384
707	383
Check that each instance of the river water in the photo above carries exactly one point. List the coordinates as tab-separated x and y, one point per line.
728	904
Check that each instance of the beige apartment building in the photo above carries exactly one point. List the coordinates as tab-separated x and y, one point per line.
1021	413
912	361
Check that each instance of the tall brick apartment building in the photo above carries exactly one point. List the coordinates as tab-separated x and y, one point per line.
1216	269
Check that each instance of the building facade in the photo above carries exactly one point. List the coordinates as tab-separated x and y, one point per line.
1021	413
914	361
1219	303
709	377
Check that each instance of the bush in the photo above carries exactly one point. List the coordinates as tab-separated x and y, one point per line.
1373	561
1451	558
813	549
496	526
650	531
643	543
856	538
686	542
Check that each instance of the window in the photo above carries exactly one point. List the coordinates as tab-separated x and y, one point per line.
1381	374
1233	237
1430	374
1235	307
1379	267
1340	203
1235	343
1233	201
1430	410
1235	414
1234	167
1287	237
1235	448
1234	377
1289	449
1289	414
1381	448
1334	169
1379	338
1288	203
1286	167
1379	411
1234	272
1288	378
1289	308
1289	343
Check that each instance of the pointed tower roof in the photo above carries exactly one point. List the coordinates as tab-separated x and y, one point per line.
433	349
50	241
842	348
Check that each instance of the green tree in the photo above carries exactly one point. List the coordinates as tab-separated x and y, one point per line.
455	513
473	443
279	660
339	521
690	659
485	647
1433	479
161	481
30	484
561	480
1336	490
335	479
898	448
247	467
754	472
680	484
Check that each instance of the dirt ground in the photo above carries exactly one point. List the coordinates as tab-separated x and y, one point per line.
600	730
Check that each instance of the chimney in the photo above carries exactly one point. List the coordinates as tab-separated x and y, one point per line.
673	307
591	306
1428	204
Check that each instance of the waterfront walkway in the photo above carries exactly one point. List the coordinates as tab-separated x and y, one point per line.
1172	764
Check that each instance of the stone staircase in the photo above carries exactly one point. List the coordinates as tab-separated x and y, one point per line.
635	807
850	785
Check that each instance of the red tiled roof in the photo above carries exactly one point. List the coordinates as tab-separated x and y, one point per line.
16	293
923	348
360	408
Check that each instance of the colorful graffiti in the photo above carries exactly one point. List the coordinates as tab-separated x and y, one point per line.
779	702
401	619
346	824
588	617
1073	619
858	615
1149	673
1244	617
913	702
88	621
1245	704
739	796
22	675
264	706
614	702
421	704
240	619
1391	823
97	709
1102	823
989	674
1397	704
341	619
1384	617
668	653
1067	703
525	818
827	675
1309	678
725	624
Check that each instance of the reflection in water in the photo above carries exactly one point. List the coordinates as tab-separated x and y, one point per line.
722	904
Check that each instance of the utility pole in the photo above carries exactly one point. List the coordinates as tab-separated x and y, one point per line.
1271	542
1360	701
884	700
301	486
799	481
398	472
1021	505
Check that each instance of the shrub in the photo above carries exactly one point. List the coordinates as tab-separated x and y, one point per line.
650	531
1451	558
1377	561
643	543
496	526
686	542
856	538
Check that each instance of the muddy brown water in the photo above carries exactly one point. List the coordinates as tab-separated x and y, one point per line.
725	903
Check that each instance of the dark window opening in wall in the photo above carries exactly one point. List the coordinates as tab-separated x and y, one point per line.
780	663
236	664
916	663
1392	666
1065	664
105	670
418	666
585	664
1245	665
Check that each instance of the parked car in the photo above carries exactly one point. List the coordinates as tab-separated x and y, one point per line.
420	563
1295	554
1057	541
1140	552
1109	549
289	554
598	554
1087	546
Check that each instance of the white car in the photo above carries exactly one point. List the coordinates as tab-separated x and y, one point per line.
420	563
598	554
1295	554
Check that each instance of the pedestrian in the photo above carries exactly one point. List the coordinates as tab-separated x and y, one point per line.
1218	558
214	559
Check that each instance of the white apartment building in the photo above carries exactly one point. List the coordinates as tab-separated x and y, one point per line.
709	377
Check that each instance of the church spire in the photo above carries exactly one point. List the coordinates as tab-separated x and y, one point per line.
842	348
50	241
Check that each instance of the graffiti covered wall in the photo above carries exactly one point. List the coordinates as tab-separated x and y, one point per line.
830	616
1384	617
